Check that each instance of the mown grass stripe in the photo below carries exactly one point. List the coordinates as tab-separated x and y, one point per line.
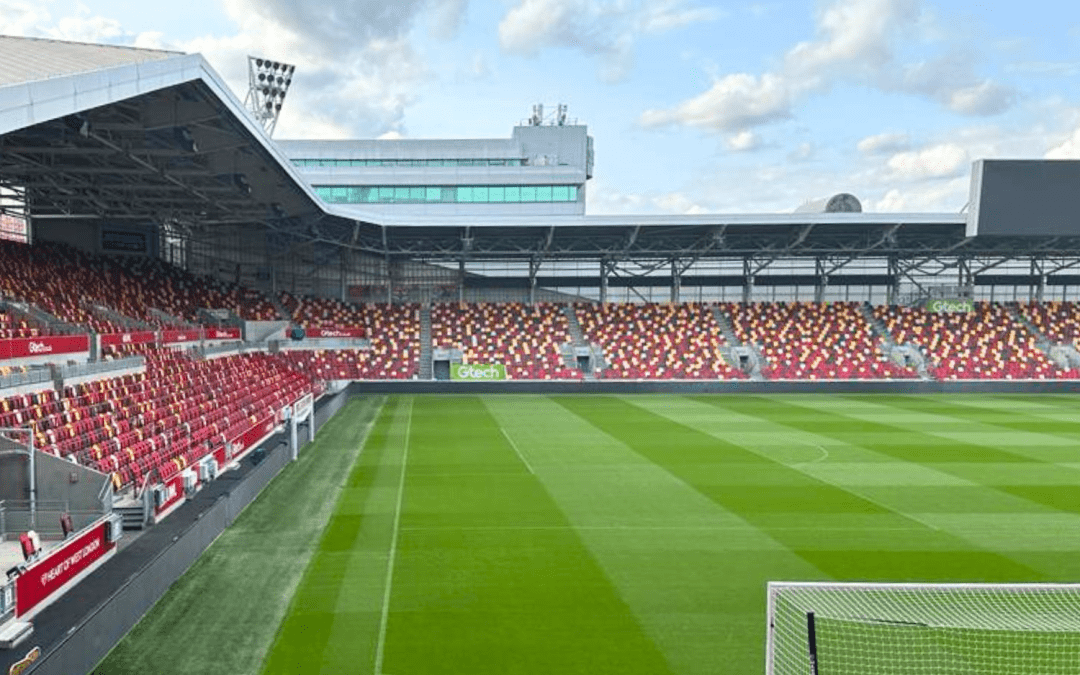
309	638
388	585
690	571
1019	431
922	556
478	595
222	615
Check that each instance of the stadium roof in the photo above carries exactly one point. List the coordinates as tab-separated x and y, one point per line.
28	59
147	136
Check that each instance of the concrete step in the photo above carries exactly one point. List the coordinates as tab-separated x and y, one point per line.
14	632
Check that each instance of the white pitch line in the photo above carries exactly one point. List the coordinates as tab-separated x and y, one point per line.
657	528
518	451
381	645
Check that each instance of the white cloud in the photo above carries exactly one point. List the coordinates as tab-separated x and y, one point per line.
605	199
734	103
1066	149
856	41
356	69
744	141
936	161
606	29
22	18
951	80
883	143
947	196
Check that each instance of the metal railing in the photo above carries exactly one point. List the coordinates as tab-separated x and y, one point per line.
28	377
100	367
20	515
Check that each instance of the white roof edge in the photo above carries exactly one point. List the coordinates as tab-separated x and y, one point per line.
714	219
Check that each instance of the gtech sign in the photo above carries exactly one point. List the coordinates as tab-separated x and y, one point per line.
477	372
950	306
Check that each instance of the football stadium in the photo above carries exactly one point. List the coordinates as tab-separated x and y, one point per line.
403	407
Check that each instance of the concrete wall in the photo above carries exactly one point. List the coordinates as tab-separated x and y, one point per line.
63	481
741	387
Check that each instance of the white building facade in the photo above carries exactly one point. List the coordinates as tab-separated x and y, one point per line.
541	170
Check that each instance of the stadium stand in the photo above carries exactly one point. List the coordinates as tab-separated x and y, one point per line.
527	340
160	421
64	282
1058	321
657	341
811	341
13	328
320	312
987	344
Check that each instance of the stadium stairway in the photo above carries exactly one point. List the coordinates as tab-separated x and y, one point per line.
283	313
906	354
569	352
1040	338
1063	355
734	347
426	368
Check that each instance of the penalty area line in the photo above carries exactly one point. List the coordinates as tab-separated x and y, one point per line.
517	450
380	647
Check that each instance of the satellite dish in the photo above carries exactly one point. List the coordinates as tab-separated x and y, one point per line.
843	203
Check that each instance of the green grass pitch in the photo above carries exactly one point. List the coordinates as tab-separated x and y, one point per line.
610	534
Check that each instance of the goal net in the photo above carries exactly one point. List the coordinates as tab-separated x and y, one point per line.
922	629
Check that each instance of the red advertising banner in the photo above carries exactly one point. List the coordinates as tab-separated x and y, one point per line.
46	576
43	346
354	332
172	337
137	338
250	437
222	333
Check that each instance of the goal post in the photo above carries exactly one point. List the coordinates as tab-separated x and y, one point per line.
827	628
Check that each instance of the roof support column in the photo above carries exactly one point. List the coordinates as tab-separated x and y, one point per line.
534	267
893	292
821	278
1038	271
389	281
461	281
748	281
676	281
605	269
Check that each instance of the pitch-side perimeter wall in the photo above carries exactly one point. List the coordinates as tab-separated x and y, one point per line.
96	633
712	387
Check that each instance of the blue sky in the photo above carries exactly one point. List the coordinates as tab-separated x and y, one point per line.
695	105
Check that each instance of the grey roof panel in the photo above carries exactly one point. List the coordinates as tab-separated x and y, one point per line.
25	59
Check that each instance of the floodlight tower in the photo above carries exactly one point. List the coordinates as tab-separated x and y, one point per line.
268	82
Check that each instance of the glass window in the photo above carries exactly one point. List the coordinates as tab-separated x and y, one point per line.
573	193
496	194
416	194
401	194
513	193
560	193
355	195
528	193
543	193
480	194
372	194
464	194
386	194
434	194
